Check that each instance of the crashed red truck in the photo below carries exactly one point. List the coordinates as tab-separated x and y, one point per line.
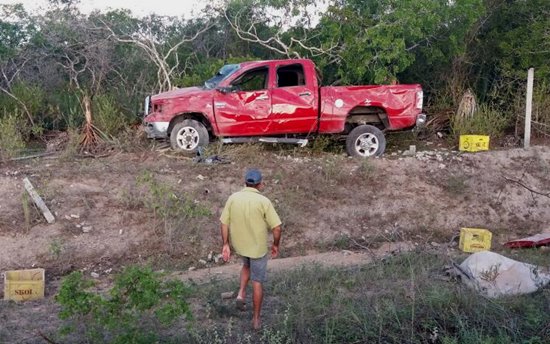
281	101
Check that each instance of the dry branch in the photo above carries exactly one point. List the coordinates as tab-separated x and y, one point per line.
530	189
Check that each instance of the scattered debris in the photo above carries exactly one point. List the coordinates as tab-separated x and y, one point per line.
210	255
411	151
228	295
538	240
213	159
494	275
38	201
75	216
86	229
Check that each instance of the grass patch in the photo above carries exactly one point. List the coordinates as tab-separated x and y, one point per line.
397	300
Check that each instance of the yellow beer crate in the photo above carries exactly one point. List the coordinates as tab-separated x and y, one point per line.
475	239
23	285
473	143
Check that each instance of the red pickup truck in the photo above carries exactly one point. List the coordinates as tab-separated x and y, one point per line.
281	101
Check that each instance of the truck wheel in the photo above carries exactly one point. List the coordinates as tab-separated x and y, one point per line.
365	141
188	135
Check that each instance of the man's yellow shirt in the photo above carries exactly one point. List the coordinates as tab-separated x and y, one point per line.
250	216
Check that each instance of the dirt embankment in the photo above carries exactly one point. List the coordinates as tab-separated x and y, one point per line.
104	220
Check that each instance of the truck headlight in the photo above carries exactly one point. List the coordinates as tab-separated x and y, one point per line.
147	105
419	99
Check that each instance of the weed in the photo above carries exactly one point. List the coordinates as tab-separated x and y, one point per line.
175	210
366	169
456	184
321	144
138	294
71	149
56	247
26	210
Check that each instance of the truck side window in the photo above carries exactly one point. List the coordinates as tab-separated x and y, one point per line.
289	76
253	80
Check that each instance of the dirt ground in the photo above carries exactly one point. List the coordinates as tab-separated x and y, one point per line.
106	217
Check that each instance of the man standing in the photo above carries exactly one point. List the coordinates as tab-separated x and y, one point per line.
246	219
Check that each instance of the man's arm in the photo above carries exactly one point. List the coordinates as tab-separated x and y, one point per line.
276	241
226	251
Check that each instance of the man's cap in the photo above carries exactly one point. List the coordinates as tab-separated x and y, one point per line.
253	176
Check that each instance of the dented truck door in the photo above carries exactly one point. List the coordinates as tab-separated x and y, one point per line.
294	98
244	108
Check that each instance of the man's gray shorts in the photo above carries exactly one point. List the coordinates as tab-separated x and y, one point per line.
258	268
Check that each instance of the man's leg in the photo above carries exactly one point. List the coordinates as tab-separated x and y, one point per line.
258	275
245	277
257	298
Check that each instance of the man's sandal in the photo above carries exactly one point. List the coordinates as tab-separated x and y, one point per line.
240	304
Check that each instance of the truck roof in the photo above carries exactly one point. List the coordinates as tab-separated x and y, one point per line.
285	61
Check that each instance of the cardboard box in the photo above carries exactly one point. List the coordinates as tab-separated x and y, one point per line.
23	285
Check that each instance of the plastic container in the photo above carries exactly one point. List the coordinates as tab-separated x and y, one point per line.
473	143
24	285
475	239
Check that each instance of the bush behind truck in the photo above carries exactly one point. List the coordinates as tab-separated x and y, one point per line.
281	101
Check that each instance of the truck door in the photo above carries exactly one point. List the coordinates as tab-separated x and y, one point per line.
294	100
246	110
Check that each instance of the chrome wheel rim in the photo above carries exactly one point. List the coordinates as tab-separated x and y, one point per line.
187	138
367	144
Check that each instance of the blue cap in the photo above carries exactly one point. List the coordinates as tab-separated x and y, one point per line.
253	177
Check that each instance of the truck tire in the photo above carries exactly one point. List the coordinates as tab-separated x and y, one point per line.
188	135
365	141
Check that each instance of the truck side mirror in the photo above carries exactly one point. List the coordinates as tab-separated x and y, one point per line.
226	89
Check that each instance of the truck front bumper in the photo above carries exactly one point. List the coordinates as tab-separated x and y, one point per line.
156	130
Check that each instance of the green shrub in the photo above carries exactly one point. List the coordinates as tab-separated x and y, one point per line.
107	116
11	138
485	121
136	309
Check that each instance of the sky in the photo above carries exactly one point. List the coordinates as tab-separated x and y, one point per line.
139	8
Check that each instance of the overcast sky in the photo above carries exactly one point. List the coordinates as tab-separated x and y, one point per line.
138	7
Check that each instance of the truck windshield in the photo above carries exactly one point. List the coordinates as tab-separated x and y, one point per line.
224	72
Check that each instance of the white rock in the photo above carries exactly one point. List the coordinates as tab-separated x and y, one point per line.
192	268
202	261
120	232
442	166
209	258
75	216
201	177
86	229
94	275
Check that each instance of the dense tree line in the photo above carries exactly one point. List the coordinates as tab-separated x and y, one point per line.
61	67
